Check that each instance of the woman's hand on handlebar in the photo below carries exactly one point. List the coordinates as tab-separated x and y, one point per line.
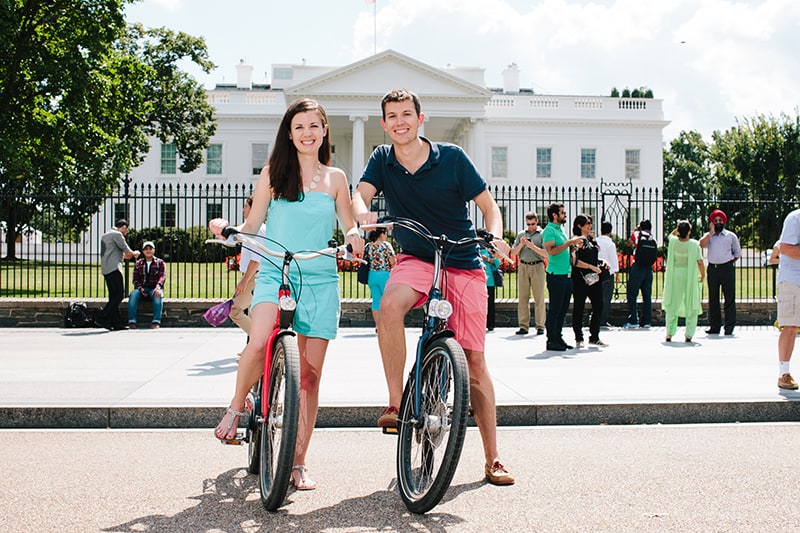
216	226
355	241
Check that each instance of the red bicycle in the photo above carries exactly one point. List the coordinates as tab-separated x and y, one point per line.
273	405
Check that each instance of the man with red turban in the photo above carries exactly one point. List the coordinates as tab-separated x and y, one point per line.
723	251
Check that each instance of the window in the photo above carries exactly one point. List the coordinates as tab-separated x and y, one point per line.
632	164
282	73
588	163
499	161
213	211
544	163
121	211
169	159
168	215
214	159
260	154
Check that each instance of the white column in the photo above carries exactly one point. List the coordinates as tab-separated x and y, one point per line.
479	145
358	148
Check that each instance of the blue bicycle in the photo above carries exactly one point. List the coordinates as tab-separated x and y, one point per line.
432	422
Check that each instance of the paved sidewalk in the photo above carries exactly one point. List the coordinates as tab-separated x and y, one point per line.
183	377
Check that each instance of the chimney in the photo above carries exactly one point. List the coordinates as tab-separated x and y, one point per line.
244	75
511	79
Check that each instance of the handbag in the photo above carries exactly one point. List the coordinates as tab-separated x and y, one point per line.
498	278
219	313
591	278
363	270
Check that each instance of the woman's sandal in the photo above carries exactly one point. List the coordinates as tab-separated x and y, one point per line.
305	482
232	423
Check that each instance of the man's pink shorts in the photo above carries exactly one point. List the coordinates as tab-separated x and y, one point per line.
464	289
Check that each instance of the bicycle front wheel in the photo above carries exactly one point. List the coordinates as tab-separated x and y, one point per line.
430	442
279	428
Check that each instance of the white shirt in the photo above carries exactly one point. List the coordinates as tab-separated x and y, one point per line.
247	253
788	268
608	252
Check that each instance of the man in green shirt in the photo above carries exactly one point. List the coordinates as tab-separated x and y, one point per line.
559	269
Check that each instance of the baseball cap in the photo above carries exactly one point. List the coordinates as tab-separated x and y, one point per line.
150	244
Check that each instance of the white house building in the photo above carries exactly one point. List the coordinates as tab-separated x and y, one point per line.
515	137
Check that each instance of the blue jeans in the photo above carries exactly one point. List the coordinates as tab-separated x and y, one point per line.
640	278
559	289
133	304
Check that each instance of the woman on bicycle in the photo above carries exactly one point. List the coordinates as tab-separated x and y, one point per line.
302	194
381	260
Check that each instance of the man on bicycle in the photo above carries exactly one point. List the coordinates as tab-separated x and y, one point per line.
432	183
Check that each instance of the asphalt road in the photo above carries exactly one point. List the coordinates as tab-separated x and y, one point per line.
740	477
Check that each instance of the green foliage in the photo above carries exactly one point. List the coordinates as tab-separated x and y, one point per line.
614	92
81	93
510	236
687	177
181	245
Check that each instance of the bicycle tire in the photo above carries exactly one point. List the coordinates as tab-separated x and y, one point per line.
428	450
253	409
279	429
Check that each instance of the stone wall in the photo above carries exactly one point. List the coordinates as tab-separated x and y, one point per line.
49	312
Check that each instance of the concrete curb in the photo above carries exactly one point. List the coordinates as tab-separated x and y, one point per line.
365	416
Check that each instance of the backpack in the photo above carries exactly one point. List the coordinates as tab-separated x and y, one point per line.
77	316
646	250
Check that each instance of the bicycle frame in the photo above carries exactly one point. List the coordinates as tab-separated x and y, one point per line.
438	309
286	302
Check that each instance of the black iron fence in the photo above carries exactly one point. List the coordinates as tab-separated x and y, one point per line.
52	258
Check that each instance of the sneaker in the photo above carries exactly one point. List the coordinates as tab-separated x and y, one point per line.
630	325
786	381
606	326
540	331
645	326
497	474
155	325
131	325
579	344
556	347
389	417
521	331
598	342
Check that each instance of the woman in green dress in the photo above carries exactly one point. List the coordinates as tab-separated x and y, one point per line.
684	280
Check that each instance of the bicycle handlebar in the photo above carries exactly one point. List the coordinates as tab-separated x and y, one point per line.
484	238
233	236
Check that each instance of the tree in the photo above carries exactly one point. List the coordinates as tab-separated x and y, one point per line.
81	93
759	157
687	174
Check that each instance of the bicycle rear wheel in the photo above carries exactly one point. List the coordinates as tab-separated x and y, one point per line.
279	430
429	444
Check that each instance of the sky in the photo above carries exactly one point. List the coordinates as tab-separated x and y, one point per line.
712	62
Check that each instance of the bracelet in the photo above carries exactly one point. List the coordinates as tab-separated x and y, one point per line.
352	231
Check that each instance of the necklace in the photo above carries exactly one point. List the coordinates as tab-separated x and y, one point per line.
315	180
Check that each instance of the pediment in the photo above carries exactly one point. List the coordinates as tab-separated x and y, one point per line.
377	74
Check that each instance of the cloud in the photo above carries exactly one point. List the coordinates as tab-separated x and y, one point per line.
710	60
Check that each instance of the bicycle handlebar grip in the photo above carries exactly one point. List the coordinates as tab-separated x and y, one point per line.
482	233
227	232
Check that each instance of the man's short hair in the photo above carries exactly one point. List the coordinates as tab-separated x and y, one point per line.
605	228
121	223
553	209
400	95
646	225
530	215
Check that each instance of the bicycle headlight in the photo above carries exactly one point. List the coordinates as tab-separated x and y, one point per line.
287	303
440	308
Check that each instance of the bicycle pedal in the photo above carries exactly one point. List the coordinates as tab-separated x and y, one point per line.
390	431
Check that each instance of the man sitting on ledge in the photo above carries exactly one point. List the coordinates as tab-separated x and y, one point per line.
149	275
